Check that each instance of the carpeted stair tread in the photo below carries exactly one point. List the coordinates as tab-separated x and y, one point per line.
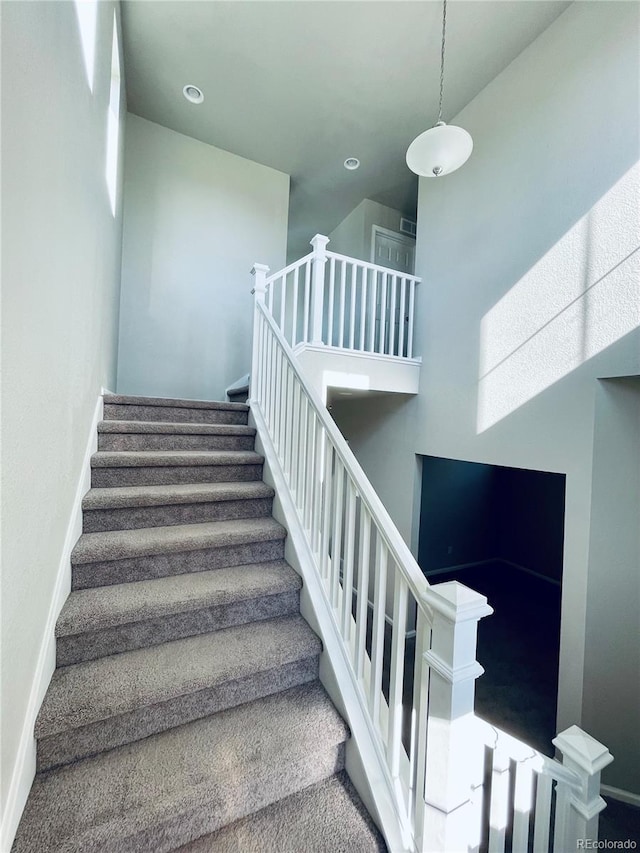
327	817
180	493
122	544
87	692
165	458
167	789
129	400
174	428
107	606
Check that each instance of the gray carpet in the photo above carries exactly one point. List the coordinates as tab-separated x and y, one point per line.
186	710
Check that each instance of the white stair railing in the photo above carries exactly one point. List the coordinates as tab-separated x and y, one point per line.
327	299
411	647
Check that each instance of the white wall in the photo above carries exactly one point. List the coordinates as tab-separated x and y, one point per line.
353	235
196	219
60	295
529	265
612	649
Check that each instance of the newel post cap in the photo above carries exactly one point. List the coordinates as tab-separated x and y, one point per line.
456	602
259	272
319	243
583	750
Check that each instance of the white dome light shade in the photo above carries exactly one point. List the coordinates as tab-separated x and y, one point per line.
440	150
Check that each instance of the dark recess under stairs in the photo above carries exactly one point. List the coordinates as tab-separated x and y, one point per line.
186	711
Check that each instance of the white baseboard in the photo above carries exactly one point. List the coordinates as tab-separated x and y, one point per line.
25	765
627	797
460	566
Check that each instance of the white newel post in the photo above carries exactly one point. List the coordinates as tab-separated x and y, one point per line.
586	757
259	272
453	765
319	244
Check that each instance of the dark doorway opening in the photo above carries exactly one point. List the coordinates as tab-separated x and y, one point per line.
500	531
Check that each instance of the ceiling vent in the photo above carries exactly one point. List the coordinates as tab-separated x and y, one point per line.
407	226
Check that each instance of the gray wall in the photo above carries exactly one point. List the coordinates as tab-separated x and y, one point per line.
60	291
353	235
196	219
529	265
612	651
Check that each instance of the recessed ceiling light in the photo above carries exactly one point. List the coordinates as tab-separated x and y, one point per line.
193	94
351	163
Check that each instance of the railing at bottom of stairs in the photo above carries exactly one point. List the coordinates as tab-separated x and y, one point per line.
457	783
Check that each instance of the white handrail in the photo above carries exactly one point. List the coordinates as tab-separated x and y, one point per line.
410	569
371	266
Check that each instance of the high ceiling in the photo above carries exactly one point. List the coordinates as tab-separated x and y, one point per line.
300	86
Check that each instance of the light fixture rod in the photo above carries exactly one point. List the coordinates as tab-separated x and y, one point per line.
444	27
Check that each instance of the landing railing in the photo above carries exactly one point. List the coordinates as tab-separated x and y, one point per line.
456	783
333	300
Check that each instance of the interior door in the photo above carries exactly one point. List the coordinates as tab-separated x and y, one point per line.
396	251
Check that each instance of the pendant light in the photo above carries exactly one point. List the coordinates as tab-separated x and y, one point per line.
444	147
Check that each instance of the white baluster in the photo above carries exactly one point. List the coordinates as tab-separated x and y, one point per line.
309	466
336	533
332	283
326	509
399	632
347	575
453	760
403	294
283	301
586	757
363	307
499	806
393	314
383	314
319	244
294	319
372	316
412	308
362	611
522	806
259	273
352	314
307	298
343	295
542	814
377	639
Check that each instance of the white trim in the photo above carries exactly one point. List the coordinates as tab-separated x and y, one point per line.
24	768
531	572
324	349
460	566
621	795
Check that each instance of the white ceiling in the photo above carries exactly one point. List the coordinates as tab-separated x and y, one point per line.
300	85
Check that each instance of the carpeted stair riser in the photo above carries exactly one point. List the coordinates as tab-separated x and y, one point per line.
327	817
150	632
166	790
177	441
104	573
123	729
167	475
131	518
175	414
101	704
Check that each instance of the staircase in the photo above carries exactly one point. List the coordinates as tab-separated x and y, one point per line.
186	711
